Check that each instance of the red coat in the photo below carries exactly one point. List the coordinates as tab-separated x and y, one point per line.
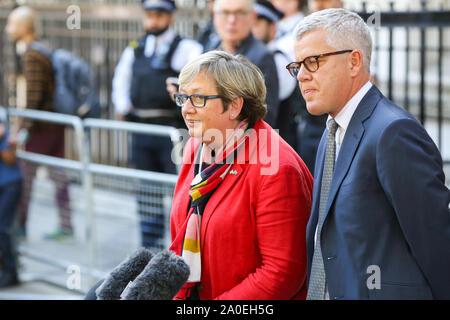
253	227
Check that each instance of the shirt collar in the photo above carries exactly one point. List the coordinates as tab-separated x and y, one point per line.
345	115
151	41
243	46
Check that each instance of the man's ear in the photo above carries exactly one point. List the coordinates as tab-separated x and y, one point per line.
235	107
273	30
355	62
253	17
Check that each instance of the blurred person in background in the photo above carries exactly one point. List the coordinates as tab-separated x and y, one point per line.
139	95
308	128
139	83
240	228
10	190
317	5
208	36
233	20
43	137
292	14
289	94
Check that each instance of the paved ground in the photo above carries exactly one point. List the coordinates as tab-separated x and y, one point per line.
59	269
33	287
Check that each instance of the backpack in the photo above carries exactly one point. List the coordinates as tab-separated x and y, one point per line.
75	92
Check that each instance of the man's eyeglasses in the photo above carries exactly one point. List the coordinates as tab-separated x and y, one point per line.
197	100
239	15
311	63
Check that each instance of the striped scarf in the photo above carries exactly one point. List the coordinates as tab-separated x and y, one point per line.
203	185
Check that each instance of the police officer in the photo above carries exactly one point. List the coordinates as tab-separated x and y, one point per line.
289	95
139	94
139	91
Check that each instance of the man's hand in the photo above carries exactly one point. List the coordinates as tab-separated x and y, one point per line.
172	87
13	141
120	117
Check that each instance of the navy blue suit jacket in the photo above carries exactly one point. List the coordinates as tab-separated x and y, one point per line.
388	207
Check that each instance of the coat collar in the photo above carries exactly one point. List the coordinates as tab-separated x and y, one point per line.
245	157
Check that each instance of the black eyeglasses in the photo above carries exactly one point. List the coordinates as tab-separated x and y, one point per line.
311	63
197	100
239	15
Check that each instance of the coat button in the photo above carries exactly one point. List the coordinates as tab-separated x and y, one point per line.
331	258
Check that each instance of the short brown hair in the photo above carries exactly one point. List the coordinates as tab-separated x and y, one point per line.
234	76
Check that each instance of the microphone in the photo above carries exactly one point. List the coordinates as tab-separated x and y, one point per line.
161	279
126	271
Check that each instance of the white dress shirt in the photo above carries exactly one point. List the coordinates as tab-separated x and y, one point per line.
186	50
345	115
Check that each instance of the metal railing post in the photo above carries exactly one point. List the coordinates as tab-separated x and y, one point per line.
85	159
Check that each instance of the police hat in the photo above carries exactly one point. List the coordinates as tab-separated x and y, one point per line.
265	9
165	5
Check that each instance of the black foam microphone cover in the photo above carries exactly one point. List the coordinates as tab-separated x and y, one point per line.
161	279
120	277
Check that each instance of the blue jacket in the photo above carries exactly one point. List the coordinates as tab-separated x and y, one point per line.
388	209
8	174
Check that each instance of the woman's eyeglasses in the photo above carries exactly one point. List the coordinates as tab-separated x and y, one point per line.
311	63
197	100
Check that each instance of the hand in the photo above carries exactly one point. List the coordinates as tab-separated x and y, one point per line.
13	141
171	88
120	117
2	130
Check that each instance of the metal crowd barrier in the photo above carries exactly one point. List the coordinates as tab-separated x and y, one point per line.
147	194
107	205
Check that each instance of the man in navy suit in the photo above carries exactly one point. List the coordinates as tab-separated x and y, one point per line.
380	221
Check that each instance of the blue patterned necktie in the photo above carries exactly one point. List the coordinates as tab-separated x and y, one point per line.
316	288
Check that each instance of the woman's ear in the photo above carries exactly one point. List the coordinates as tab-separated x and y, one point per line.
235	107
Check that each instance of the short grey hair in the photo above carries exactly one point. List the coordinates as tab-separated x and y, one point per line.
234	77
345	30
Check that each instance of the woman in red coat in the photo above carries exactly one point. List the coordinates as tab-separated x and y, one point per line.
243	197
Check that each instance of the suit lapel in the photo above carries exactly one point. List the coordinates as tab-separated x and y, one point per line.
352	139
